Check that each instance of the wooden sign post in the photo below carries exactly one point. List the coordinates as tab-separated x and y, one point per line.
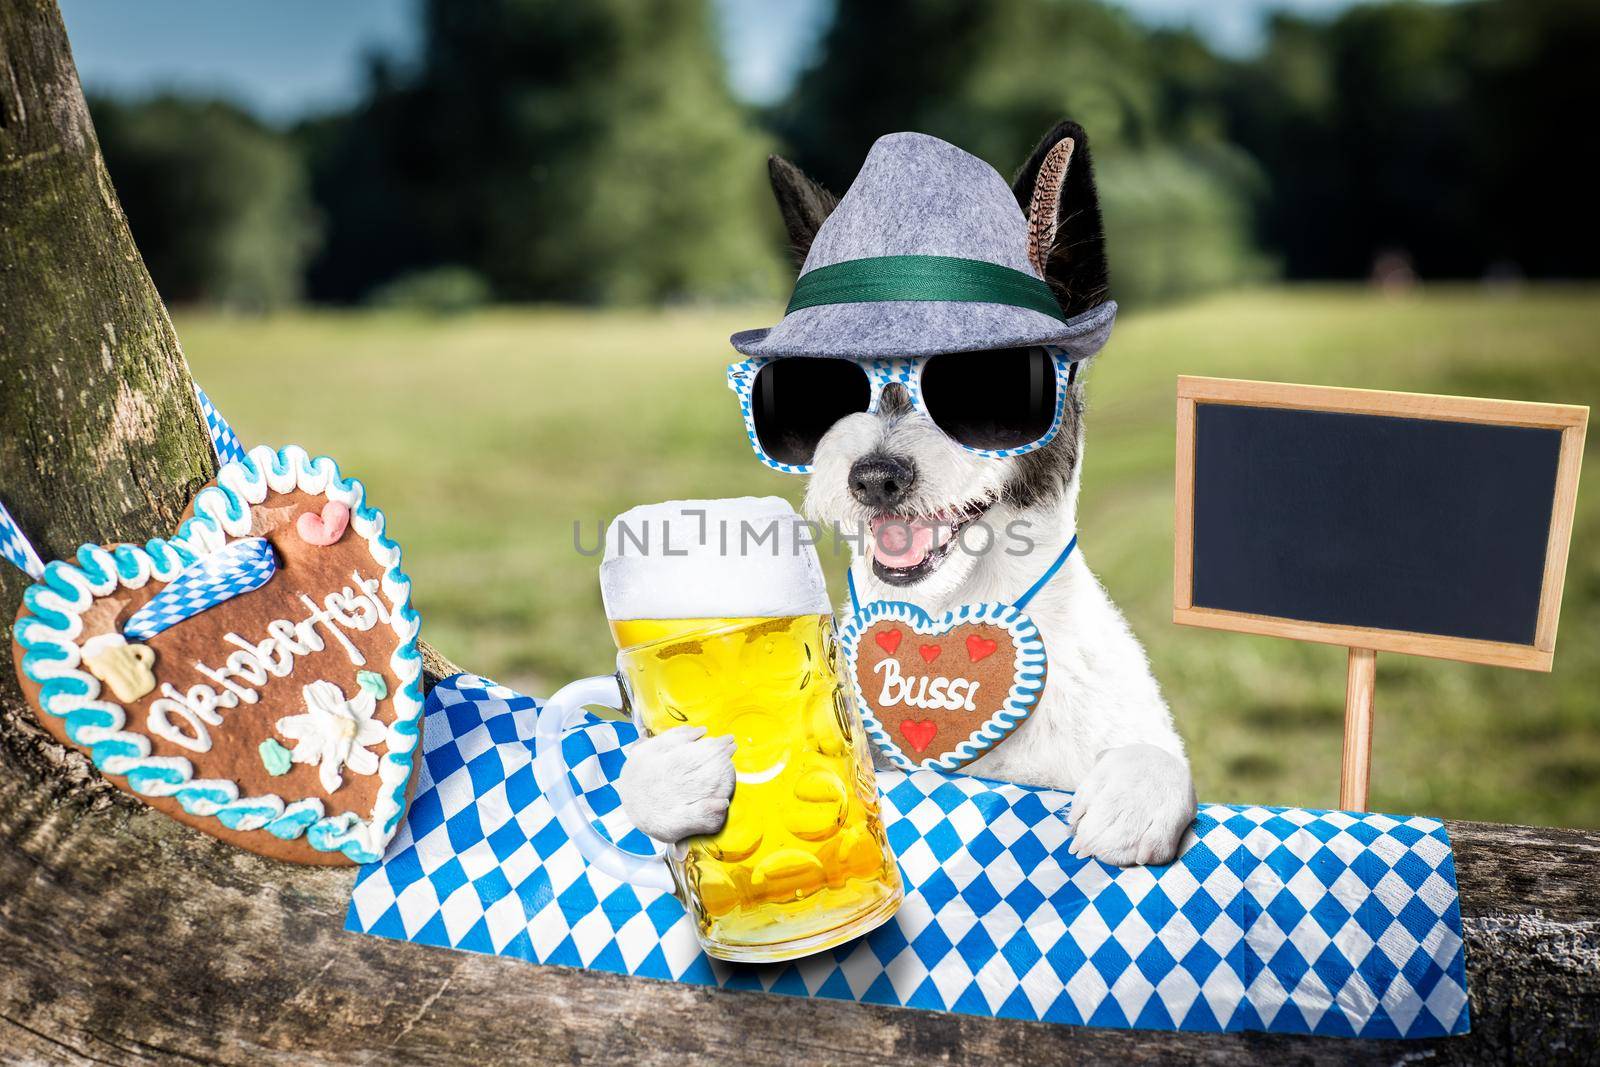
1360	689
1384	522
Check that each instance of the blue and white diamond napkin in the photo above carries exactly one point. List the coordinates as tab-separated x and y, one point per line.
1274	919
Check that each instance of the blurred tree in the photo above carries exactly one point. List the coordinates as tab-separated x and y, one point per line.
1361	124
1433	130
1178	222
592	153
444	290
1533	69
584	152
219	204
992	77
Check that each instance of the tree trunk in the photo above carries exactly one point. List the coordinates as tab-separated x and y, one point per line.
103	440
126	937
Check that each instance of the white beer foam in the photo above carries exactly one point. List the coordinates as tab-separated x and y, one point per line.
699	559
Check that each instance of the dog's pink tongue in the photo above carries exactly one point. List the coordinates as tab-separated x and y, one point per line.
901	543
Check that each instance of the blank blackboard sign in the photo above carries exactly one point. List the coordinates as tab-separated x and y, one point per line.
1393	523
1383	521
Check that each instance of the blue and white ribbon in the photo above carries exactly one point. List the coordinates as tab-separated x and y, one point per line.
15	546
205	583
223	439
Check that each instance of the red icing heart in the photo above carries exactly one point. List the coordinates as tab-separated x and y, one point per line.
888	640
929	652
980	647
920	734
325	529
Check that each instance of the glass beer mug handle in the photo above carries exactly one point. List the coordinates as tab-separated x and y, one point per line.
550	771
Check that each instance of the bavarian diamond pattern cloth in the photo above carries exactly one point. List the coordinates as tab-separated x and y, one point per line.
223	439
210	580
1272	919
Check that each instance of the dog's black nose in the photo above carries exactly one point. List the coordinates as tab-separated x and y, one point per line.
881	481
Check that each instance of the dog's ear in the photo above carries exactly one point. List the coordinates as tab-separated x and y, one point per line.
803	203
1055	188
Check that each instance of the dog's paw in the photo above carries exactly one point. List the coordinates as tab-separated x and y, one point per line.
1134	807
677	784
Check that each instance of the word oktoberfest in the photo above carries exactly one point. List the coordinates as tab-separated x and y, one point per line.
249	667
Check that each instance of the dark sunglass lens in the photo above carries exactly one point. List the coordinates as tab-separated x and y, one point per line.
992	400
796	401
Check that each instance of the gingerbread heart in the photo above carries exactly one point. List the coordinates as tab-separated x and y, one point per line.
258	684
958	687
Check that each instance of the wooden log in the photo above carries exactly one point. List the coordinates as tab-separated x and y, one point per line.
129	938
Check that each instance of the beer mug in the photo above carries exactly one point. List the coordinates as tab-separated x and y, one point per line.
721	619
126	668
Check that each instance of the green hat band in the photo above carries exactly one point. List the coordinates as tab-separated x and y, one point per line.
945	278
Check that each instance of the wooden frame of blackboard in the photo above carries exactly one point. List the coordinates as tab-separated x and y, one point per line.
1571	420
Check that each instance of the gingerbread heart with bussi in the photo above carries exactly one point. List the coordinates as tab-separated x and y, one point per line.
941	691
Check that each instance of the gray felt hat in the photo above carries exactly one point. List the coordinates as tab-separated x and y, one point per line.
926	253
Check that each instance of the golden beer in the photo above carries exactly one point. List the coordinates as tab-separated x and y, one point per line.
802	862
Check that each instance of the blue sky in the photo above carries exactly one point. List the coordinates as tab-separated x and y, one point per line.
285	58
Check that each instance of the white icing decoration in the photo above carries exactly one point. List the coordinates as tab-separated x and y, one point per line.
198	707
329	619
334	732
939	693
224	679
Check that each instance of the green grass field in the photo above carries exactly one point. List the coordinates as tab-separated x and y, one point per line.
486	438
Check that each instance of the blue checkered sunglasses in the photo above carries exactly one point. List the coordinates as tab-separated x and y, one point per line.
1006	402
